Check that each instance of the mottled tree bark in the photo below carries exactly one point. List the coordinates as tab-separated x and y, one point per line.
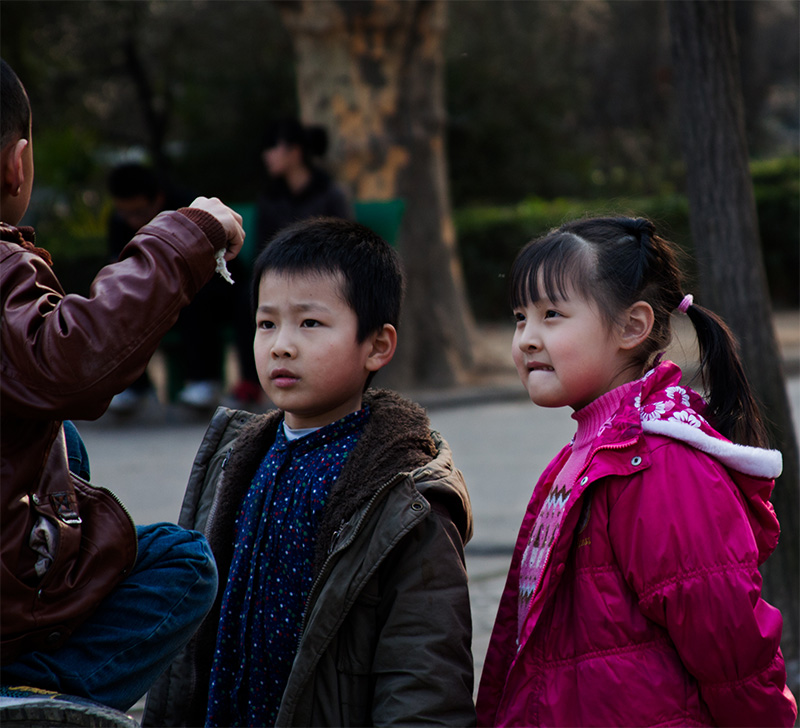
372	73
724	229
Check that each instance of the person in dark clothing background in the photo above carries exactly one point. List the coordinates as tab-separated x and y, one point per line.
296	188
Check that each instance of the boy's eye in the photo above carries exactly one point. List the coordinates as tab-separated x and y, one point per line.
310	323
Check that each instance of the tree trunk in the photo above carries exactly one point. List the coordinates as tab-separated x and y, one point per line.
371	72
724	228
155	111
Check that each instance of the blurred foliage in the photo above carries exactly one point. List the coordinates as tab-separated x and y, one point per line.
567	106
216	73
777	191
69	218
553	99
545	98
490	236
211	75
558	98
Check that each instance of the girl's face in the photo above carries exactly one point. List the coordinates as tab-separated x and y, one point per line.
565	352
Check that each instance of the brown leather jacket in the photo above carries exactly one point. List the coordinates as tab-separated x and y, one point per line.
65	357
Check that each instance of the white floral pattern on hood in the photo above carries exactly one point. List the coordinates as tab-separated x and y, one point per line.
674	411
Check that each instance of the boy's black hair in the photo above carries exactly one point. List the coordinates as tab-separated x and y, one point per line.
132	179
15	118
372	272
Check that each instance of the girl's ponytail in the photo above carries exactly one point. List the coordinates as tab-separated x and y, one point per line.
735	412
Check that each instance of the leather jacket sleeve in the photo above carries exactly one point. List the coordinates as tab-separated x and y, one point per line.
65	356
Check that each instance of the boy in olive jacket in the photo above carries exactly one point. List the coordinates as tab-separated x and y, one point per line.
338	521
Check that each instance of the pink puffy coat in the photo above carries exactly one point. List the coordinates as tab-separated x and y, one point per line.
649	609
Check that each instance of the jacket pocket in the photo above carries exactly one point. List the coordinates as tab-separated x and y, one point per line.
358	632
355	657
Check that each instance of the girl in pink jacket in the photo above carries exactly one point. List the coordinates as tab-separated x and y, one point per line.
633	596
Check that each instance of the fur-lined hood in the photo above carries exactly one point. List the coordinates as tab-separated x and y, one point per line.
667	408
396	439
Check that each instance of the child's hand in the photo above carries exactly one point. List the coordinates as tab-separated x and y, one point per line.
230	219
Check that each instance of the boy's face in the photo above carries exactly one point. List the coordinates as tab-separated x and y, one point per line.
309	360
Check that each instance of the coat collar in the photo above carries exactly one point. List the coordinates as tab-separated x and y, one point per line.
658	404
397	438
25	237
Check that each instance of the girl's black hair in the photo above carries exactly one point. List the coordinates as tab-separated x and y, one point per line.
617	261
15	115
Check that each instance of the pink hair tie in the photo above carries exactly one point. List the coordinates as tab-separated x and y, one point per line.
687	301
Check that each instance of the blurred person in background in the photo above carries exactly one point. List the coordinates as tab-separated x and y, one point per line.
139	193
296	188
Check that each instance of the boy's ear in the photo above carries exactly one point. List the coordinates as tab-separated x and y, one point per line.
384	343
13	168
637	325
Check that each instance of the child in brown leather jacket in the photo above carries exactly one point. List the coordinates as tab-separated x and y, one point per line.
91	604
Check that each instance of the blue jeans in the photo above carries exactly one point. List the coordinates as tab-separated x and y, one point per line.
76	451
137	630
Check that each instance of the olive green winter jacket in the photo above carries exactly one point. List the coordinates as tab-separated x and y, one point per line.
386	637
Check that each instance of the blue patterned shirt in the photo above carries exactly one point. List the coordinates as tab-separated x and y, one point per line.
272	570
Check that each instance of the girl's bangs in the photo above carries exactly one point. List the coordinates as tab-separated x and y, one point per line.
549	268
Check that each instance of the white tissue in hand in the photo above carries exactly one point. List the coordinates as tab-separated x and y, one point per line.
222	267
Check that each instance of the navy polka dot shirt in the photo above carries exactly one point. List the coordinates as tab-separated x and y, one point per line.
272	570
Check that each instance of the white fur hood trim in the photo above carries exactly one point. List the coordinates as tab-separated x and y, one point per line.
754	461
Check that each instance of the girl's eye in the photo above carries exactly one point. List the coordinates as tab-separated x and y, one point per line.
519	317
551	314
266	325
310	323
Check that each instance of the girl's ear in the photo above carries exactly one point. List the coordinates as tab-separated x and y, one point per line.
384	343
637	325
